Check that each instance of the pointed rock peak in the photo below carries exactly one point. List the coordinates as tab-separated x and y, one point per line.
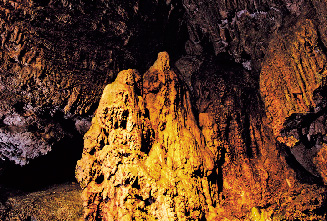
129	77
156	76
162	63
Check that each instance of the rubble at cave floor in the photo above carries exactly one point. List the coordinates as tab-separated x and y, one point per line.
59	202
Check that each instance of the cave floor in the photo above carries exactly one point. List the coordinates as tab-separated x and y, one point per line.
59	202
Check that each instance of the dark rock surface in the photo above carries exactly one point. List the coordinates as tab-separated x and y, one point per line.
56	58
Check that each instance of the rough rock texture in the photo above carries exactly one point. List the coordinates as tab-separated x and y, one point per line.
50	49
56	58
61	202
294	77
237	131
253	170
240	28
147	156
293	70
134	164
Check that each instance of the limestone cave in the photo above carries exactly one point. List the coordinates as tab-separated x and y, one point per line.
168	110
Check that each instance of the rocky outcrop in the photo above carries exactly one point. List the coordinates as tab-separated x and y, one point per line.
252	171
148	155
293	70
294	77
240	28
50	49
144	156
236	131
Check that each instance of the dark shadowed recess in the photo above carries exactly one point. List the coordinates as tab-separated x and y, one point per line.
56	167
156	26
159	33
303	175
43	2
307	128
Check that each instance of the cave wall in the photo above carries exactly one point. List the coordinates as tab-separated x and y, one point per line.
236	114
57	57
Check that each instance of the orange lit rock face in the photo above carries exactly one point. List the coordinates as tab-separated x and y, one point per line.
144	156
250	171
320	162
147	156
293	70
160	148
292	84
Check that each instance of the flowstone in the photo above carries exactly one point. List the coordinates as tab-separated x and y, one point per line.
144	156
149	156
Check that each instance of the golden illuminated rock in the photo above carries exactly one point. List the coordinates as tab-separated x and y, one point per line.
147	156
294	68
292	84
144	156
56	57
235	132
321	162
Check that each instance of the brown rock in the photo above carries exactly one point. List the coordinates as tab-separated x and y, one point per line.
293	70
156	150
292	82
56	58
321	163
60	202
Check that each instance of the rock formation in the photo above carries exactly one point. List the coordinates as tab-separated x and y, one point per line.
294	77
147	156
49	49
298	69
61	202
56	58
144	156
231	127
